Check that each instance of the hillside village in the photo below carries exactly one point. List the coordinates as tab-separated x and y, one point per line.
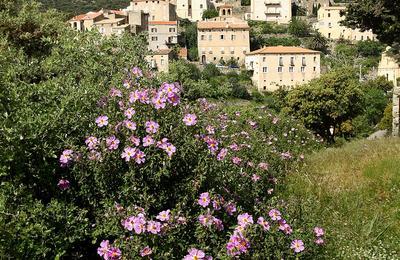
224	37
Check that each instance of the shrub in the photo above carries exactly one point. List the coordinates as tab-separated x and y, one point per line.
189	176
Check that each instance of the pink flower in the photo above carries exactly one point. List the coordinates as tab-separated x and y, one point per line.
145	251
194	254
236	160
319	241
297	246
63	184
210	129
255	177
230	208
113	254
245	219
112	143
206	220
263	166
283	226
190	119
95	156
103	249
91	142
143	97
159	102
153	227
152	127
102	121
222	154
140	157
212	144
66	157
129	112
137	72
319	232
263	223
134	96
275	214
115	92
163	215
147	141
218	224
237	245
130	125
170	149
204	199
128	153
134	140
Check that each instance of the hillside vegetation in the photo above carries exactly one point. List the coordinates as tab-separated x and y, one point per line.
83	6
354	192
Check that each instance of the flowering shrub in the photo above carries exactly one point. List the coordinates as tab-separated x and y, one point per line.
166	179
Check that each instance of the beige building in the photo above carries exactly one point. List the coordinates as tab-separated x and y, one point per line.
279	11
278	66
389	68
157	10
191	9
222	39
108	22
162	34
159	60
328	24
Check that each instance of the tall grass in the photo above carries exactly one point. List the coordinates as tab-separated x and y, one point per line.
354	193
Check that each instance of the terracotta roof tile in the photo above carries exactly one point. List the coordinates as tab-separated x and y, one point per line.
222	25
282	49
163	23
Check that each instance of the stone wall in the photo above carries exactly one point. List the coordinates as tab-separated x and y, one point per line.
396	109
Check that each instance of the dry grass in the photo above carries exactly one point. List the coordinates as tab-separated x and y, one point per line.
354	192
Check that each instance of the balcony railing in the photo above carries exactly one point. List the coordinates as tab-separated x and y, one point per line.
272	2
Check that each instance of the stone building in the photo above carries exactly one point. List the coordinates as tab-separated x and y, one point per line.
223	39
329	18
162	34
390	69
191	9
279	11
159	60
157	10
280	66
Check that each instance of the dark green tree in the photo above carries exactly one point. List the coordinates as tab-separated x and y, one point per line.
210	13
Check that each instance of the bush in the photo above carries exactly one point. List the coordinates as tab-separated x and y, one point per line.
204	165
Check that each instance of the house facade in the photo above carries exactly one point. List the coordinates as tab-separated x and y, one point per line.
279	11
223	39
162	34
389	68
191	9
159	60
157	10
329	18
283	67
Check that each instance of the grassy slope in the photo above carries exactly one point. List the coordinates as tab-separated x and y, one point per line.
354	192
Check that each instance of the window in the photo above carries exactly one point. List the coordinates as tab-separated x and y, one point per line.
303	69
265	87
329	35
162	61
232	50
315	59
315	69
233	37
264	59
209	37
330	25
221	36
291	61
303	61
329	14
154	30
153	17
202	37
280	61
201	6
154	38
291	69
171	30
280	69
265	69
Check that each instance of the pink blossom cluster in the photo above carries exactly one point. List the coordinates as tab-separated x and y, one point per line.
107	252
196	254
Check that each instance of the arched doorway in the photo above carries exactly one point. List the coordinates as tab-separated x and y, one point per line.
203	59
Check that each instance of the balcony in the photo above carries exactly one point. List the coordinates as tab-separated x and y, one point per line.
272	12
272	2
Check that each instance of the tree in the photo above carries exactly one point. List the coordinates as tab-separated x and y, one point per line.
380	16
210	13
210	71
317	42
327	102
299	27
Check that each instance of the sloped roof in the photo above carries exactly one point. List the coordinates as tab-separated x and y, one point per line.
163	22
222	25
283	50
